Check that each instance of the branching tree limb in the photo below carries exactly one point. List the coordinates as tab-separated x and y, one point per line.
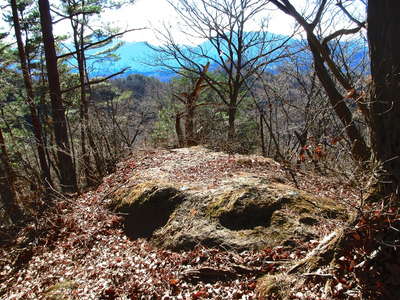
95	81
360	151
234	53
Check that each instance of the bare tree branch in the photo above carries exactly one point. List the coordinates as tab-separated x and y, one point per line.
318	16
108	39
96	81
232	51
338	33
346	12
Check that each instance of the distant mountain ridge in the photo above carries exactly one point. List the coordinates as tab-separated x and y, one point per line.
135	56
139	58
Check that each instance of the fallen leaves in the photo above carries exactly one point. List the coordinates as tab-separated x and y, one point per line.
81	243
86	246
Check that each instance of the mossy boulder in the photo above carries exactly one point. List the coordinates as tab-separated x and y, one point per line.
146	206
270	205
215	200
246	208
243	217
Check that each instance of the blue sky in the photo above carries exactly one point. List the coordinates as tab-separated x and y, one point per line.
153	14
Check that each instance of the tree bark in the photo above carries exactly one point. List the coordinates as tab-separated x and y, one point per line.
7	184
231	122
65	163
384	113
178	130
191	104
189	122
384	48
37	127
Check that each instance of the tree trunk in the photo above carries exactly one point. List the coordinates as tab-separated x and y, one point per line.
231	122
37	127
7	184
359	149
65	163
262	138
190	107
96	151
384	48
178	130
84	108
189	123
374	224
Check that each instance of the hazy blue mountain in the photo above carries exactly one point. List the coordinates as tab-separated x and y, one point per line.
139	57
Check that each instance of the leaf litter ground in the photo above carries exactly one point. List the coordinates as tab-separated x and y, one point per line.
78	249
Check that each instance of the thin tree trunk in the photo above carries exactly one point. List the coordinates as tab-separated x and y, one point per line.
65	163
189	123
232	110
98	159
360	151
262	137
190	102
178	130
37	127
84	116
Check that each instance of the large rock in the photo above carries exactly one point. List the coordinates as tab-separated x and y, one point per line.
246	216
146	207
239	210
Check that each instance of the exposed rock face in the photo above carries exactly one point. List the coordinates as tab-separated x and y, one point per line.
211	199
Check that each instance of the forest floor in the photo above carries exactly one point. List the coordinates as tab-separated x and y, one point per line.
78	249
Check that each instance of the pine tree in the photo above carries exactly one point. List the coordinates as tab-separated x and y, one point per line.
65	164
